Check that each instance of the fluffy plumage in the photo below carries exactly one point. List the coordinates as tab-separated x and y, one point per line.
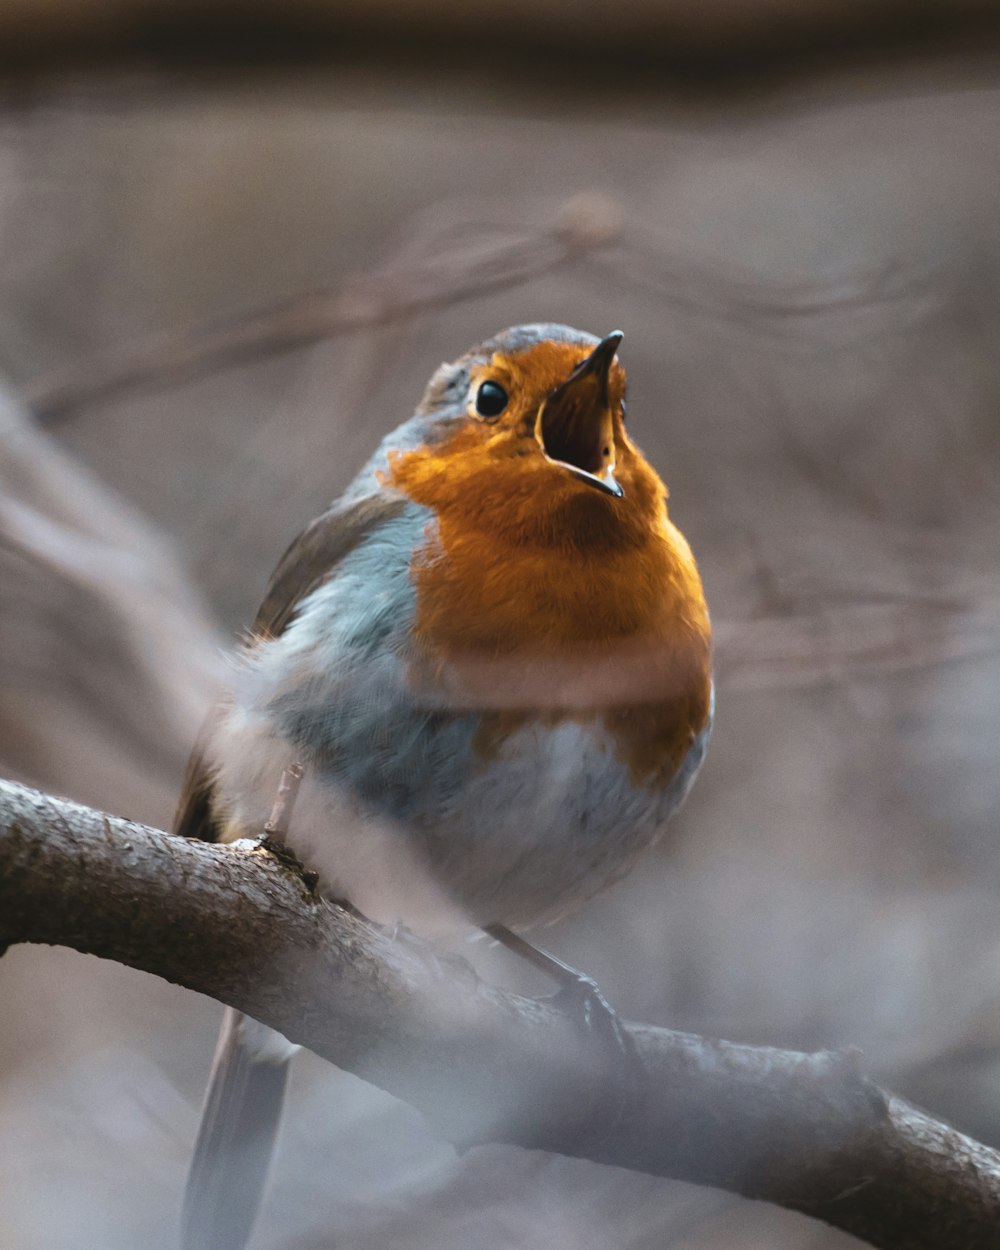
494	674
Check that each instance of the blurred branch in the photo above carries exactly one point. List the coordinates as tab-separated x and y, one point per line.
845	641
447	264
109	653
469	271
805	1131
565	45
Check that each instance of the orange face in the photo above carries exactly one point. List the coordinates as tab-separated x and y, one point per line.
544	457
564	399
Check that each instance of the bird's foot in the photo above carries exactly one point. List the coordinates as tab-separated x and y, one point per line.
580	998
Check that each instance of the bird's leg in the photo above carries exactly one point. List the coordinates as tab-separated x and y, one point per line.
276	829
580	997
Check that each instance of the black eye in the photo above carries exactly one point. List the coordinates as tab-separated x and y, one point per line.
491	399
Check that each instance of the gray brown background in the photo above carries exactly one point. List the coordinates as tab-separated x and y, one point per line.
807	272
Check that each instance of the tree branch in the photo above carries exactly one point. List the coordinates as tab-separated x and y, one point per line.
805	1131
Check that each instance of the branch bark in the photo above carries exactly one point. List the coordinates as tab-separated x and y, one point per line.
808	1132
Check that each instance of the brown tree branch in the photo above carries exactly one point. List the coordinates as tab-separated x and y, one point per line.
805	1131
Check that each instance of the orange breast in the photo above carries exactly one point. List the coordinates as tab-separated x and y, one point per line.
538	596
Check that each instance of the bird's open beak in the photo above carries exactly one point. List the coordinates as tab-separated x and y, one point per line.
575	426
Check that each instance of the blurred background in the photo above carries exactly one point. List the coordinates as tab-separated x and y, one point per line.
235	243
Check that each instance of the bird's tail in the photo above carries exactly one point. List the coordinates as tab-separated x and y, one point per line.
239	1124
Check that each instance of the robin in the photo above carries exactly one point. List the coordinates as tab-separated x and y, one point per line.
492	658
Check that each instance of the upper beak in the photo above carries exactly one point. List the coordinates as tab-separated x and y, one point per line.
575	424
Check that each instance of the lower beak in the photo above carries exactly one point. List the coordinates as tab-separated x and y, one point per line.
575	426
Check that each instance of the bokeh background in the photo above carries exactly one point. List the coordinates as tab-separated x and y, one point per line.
234	246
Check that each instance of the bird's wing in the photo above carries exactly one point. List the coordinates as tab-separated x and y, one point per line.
317	551
310	559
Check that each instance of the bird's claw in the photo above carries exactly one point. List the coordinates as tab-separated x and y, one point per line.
579	997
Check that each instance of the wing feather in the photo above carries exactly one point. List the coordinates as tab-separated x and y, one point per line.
310	559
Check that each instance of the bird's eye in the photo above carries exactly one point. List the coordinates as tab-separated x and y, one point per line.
491	399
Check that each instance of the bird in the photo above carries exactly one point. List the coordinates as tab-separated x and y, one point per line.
491	660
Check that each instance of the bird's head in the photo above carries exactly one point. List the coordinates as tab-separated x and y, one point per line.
526	434
558	403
